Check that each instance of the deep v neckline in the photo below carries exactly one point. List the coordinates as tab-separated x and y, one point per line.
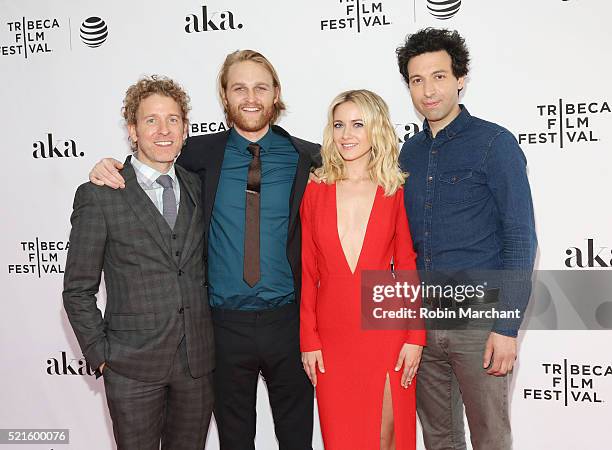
365	235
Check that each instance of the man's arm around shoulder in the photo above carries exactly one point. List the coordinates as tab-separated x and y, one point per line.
312	149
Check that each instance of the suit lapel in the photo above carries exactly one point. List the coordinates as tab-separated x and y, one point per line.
301	177
299	186
213	172
143	207
196	216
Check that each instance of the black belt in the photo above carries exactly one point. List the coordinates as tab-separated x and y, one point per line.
490	296
284	312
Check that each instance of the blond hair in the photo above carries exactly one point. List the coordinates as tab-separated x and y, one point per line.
256	57
383	167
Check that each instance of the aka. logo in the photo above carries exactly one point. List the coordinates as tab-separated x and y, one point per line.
58	148
443	9
207	127
94	32
358	15
570	383
63	366
566	123
406	130
43	258
211	21
590	257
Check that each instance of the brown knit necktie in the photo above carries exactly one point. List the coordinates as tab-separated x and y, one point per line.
251	272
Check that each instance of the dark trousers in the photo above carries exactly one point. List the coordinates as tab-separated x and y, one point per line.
248	343
175	410
451	376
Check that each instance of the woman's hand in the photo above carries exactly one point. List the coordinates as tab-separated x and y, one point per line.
409	357
310	360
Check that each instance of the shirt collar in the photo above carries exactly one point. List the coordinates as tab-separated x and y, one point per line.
458	124
147	175
242	143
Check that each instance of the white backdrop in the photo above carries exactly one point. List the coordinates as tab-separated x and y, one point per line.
56	89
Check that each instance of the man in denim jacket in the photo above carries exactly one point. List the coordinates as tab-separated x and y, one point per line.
469	206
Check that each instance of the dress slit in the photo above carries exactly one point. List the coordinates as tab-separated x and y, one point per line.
393	409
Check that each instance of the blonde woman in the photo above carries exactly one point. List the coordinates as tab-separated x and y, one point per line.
355	220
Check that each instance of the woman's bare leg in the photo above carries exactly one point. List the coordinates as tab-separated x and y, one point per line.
387	430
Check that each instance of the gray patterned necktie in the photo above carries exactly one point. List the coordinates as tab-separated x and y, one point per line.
168	199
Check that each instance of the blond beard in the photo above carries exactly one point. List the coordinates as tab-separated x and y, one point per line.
236	117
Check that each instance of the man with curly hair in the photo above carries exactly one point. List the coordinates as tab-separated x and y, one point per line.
469	205
154	344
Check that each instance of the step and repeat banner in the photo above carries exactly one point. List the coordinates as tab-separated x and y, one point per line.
540	68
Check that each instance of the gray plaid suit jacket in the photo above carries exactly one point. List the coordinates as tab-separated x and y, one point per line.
153	297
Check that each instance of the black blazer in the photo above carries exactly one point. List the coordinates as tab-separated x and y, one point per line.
204	156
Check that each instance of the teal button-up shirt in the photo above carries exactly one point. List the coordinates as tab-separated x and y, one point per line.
227	288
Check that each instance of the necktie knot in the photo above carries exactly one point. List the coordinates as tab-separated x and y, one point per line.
254	149
165	181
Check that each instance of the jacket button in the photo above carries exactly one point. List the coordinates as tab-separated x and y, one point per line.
180	272
206	284
180	310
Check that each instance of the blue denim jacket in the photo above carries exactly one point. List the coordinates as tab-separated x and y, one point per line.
469	205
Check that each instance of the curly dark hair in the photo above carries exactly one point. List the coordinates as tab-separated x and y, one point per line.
433	40
155	84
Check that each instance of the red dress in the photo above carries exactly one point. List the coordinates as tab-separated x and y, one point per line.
357	361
